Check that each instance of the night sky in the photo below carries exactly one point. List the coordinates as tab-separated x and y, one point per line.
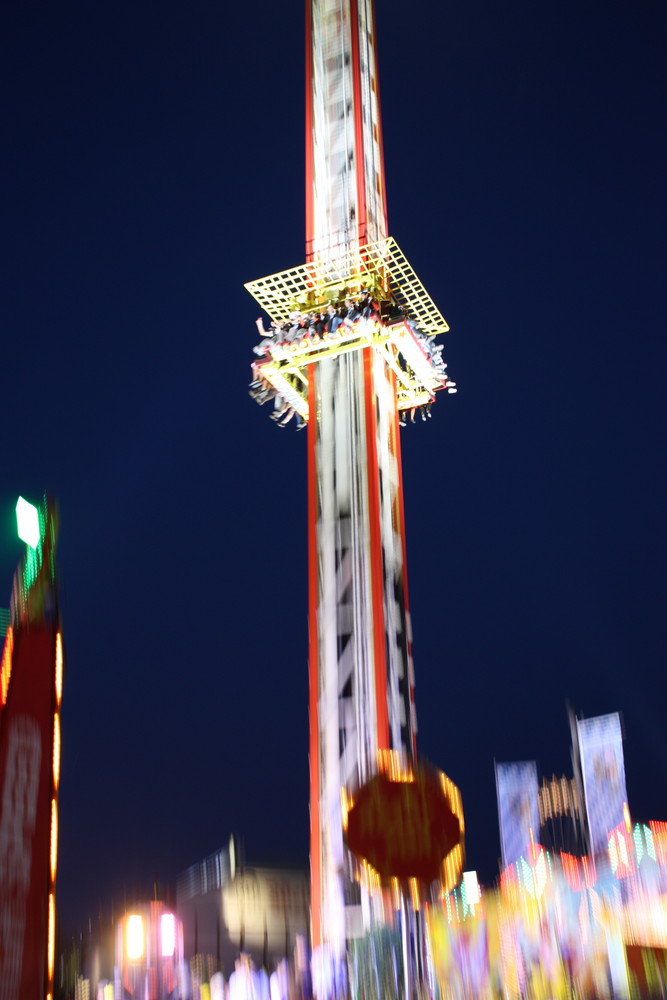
152	163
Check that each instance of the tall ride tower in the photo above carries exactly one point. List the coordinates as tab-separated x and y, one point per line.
351	381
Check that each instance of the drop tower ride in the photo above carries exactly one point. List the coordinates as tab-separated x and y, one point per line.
352	385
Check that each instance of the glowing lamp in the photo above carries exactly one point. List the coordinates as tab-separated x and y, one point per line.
53	855
134	937
59	667
471	889
56	750
27	521
168	934
51	937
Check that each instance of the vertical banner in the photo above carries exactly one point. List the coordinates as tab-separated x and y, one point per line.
603	772
518	808
26	782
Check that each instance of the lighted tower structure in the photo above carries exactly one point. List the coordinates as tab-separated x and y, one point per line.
350	385
31	677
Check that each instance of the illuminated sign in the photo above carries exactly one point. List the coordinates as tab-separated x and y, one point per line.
408	828
603	772
518	807
27	521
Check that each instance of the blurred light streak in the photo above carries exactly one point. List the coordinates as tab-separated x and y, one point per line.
56	750
6	667
53	853
134	942
168	934
59	668
51	939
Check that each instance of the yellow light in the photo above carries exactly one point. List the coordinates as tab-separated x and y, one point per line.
394	764
51	936
626	817
134	936
54	838
540	876
451	868
346	804
56	751
59	668
6	668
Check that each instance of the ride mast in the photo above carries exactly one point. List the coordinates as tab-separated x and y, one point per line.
351	384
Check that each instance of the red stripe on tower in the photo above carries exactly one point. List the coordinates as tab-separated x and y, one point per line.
313	670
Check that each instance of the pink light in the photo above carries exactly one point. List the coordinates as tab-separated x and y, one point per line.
659	830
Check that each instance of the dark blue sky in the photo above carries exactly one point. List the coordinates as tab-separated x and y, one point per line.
153	163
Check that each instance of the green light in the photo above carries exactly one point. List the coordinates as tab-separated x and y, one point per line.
27	519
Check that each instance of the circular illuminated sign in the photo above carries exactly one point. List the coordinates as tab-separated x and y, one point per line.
408	829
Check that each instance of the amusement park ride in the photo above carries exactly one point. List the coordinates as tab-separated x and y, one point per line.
351	385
